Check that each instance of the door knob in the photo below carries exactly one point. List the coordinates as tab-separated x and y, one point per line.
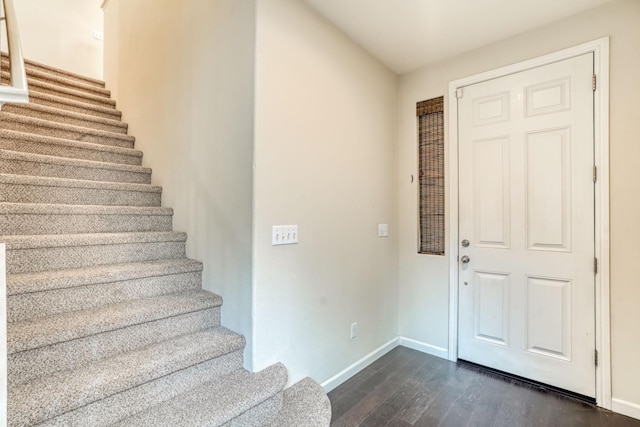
465	259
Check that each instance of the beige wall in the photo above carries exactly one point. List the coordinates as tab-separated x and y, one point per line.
60	33
424	279
325	159
182	73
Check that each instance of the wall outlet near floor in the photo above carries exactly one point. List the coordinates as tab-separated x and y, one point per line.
354	330
383	230
98	35
284	235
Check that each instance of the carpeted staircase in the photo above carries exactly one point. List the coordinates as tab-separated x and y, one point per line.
108	322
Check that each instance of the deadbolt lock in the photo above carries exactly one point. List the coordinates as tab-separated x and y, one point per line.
465	243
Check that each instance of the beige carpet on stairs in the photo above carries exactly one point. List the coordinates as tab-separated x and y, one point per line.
108	324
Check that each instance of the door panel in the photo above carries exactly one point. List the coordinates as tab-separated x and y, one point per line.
549	317
526	204
491	310
548	187
491	192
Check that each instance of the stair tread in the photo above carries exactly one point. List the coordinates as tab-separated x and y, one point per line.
32	121
305	404
46	397
67	161
59	100
32	137
216	402
53	209
65	240
31	63
44	331
60	279
67	113
6	178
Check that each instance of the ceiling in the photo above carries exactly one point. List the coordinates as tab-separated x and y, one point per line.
408	34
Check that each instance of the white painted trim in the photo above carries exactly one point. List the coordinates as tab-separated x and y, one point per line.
424	347
451	153
600	48
625	408
602	226
3	335
359	365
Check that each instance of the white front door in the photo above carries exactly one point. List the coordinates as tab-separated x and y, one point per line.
526	203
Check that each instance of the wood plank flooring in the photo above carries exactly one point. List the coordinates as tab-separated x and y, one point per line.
409	388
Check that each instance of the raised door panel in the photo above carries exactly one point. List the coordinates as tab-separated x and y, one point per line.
491	307
491	192
549	317
548	187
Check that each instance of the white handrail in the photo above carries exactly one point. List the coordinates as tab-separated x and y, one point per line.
17	91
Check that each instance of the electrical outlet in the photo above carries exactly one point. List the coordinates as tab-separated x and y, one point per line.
354	330
98	35
284	235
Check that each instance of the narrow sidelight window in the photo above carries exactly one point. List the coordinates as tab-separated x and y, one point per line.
431	176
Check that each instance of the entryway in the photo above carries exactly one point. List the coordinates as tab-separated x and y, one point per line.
527	290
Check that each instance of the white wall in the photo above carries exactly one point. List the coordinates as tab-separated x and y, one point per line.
182	73
424	279
59	33
325	159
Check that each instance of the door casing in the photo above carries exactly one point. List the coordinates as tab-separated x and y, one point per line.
600	49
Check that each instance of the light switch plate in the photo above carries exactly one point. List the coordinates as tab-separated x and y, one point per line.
383	230
284	235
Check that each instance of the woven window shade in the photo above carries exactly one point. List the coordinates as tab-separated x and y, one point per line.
431	176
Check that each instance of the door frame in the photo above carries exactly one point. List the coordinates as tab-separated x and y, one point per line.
600	50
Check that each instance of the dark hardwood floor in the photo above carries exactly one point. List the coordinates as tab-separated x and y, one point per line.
409	388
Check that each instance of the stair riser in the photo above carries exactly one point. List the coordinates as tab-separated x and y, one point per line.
114	408
61	118
38	80
35	77
22	224
72	134
68	93
40	304
32	67
107	114
31	364
259	415
26	146
60	258
18	193
52	170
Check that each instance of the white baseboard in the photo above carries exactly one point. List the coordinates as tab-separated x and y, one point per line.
356	367
424	347
625	408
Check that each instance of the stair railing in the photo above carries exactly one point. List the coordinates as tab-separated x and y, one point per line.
17	91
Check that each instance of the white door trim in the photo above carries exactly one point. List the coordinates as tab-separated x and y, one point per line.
600	49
